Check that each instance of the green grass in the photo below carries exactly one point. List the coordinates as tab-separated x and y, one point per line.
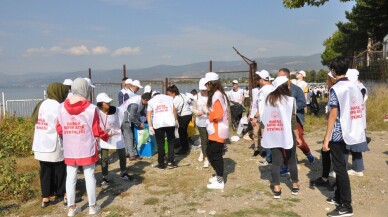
151	201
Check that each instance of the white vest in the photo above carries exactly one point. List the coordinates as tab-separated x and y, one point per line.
236	96
277	124
77	133
162	111
223	125
111	123
351	112
200	121
45	135
263	94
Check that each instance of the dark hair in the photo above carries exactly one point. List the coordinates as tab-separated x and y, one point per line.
173	89
340	65
214	86
125	78
146	96
278	93
286	71
194	92
99	105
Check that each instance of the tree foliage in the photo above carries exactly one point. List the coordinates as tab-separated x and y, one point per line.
302	3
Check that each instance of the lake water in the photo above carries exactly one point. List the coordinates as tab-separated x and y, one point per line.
23	92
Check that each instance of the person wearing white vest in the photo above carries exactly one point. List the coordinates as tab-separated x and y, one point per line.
200	111
47	145
217	127
356	151
79	126
162	119
344	128
182	105
279	130
124	92
109	122
236	99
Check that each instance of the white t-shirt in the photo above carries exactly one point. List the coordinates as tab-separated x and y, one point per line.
263	93
236	96
182	105
254	104
162	108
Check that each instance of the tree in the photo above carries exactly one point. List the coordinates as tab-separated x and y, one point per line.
301	3
321	76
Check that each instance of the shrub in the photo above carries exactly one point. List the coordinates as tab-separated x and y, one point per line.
15	185
16	135
377	106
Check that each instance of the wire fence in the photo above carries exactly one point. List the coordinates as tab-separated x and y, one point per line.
373	65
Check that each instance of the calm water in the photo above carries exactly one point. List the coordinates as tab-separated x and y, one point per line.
22	92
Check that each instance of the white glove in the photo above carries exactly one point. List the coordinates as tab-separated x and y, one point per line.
151	130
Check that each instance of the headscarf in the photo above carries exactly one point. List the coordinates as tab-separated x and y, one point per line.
55	91
80	87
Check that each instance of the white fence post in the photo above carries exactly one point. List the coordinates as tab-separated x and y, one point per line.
4	107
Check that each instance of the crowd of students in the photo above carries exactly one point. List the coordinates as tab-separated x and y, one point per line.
70	131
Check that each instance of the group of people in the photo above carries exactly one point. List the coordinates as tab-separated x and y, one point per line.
70	131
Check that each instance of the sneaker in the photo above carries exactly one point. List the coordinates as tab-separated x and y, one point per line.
94	209
73	212
341	211
332	174
320	182
311	158
332	201
206	164
172	165
200	158
294	191
158	166
125	176
355	173
284	171
216	185
277	194
213	178
105	181
264	163
182	153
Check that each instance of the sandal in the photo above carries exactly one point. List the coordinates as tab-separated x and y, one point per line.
45	203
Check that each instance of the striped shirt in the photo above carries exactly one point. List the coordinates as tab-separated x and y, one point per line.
337	131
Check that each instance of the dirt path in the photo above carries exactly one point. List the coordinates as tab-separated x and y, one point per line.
182	191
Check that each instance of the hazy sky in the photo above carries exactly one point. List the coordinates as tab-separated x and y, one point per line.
72	35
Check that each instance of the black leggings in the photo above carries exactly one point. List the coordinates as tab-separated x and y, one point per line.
214	153
279	155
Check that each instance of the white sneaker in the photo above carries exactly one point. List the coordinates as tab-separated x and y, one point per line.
206	164
332	174
215	185
213	179
200	158
355	173
94	209
73	212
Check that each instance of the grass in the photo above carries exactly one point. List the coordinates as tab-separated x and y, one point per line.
151	201
376	107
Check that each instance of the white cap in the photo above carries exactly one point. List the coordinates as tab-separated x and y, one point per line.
330	74
147	89
154	93
352	75
201	85
128	81
279	81
234	82
136	83
68	82
103	97
90	82
302	73
264	74
211	76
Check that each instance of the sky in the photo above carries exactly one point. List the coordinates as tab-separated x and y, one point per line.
73	35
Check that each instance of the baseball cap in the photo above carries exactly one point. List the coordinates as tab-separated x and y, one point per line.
136	83
234	82
147	89
352	74
201	85
211	76
330	74
264	74
128	81
302	73
103	97
67	82
279	81
90	82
